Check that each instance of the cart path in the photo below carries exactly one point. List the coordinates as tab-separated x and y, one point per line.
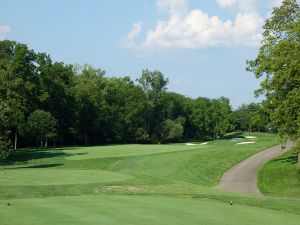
242	178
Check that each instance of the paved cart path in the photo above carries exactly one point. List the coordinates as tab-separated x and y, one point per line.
242	178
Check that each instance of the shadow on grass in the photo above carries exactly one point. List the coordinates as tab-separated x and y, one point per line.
38	166
66	148
21	156
293	159
234	135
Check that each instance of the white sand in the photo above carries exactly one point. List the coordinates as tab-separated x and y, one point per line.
190	144
246	142
205	143
250	137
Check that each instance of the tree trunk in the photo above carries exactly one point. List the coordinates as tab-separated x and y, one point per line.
148	125
16	140
54	144
41	144
85	139
46	143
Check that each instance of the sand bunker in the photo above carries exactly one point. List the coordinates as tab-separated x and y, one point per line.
250	137
190	144
246	142
235	139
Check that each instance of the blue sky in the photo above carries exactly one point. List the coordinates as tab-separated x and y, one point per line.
202	46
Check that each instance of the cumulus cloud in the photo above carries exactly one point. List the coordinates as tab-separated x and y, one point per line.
4	30
194	29
198	30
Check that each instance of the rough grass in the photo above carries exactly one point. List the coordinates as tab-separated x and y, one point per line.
281	177
135	184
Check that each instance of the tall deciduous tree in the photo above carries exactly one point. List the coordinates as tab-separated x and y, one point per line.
90	105
172	131
43	126
154	84
18	82
278	62
220	117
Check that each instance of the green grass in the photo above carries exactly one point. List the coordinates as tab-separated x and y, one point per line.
280	177
123	150
136	210
135	184
58	177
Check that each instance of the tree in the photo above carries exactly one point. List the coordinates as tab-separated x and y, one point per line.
128	110
251	117
200	117
18	83
5	144
219	117
56	85
42	126
172	131
278	62
154	84
91	113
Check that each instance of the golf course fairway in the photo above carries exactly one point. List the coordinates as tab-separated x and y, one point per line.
137	185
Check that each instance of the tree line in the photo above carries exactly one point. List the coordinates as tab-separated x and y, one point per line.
45	103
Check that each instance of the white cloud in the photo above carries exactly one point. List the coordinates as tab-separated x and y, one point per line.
135	31
198	30
226	3
4	30
240	5
194	29
248	5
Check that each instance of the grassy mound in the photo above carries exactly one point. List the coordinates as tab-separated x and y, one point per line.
281	177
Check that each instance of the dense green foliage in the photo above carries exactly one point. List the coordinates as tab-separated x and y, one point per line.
252	117
42	126
278	62
4	131
44	101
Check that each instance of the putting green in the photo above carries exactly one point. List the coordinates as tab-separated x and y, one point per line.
136	210
58	176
